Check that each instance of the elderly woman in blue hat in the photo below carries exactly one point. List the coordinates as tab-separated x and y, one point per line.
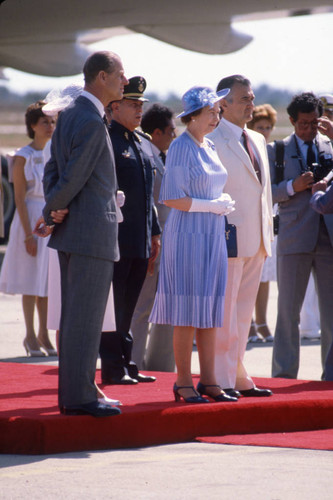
193	269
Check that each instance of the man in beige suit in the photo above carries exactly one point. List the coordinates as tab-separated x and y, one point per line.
243	153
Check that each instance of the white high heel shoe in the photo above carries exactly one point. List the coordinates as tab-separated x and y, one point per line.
49	350
34	353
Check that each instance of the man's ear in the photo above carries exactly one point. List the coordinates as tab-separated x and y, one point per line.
115	106
157	132
223	104
292	121
101	76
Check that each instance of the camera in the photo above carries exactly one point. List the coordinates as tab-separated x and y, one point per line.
323	167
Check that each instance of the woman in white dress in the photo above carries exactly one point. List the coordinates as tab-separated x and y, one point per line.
25	266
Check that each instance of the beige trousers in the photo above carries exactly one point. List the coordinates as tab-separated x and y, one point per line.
244	275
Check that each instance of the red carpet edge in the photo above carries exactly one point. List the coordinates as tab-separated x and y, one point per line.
30	422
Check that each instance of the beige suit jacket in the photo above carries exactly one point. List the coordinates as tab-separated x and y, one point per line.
253	208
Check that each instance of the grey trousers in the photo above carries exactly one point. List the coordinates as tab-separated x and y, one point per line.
157	354
85	286
293	273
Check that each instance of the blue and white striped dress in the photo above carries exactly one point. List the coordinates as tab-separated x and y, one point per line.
193	269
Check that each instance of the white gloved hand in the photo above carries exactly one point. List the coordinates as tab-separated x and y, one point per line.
229	203
120	200
218	206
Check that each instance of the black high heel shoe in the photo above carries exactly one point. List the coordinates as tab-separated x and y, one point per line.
192	399
220	398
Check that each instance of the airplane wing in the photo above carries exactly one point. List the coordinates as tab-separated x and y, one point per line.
52	37
218	38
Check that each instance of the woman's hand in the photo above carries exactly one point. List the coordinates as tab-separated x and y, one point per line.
41	229
155	247
220	206
31	245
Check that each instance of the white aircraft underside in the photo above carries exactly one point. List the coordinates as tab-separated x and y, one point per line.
52	37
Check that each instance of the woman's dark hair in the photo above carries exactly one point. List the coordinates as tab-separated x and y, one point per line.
306	102
187	118
32	115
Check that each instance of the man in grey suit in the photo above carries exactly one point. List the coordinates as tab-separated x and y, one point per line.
305	239
158	122
322	202
80	176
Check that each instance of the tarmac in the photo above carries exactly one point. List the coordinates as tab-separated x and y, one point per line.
180	471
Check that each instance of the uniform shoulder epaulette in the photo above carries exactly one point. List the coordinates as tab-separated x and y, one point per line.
143	134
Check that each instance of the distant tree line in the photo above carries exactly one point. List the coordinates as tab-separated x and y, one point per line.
279	98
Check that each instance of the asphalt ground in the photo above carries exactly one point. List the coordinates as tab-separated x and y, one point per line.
181	471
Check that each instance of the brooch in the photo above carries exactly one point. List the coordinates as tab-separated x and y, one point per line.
126	154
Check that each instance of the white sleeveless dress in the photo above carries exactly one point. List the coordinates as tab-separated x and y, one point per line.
54	302
20	272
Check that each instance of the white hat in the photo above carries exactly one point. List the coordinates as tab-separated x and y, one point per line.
57	100
327	101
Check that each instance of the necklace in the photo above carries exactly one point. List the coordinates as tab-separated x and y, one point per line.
198	143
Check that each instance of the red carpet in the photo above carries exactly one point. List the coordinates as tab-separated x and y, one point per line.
30	422
312	440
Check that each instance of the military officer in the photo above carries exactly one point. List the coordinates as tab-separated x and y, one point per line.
139	233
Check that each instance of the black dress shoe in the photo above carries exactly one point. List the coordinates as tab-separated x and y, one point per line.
233	393
256	393
144	378
219	398
125	380
95	409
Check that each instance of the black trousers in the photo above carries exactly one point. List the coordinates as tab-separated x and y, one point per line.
116	347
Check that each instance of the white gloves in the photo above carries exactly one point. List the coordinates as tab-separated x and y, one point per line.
220	206
120	200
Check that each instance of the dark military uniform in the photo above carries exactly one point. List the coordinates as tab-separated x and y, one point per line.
135	172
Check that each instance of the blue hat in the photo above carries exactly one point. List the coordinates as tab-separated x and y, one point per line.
199	97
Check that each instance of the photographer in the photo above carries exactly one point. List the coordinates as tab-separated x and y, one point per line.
305	239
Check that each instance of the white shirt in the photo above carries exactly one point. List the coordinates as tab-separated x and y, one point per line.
101	111
238	131
304	148
304	152
95	101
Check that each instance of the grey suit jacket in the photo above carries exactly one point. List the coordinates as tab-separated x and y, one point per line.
323	202
299	223
81	176
163	210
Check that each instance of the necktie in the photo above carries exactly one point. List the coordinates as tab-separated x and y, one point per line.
163	156
251	154
105	121
310	157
